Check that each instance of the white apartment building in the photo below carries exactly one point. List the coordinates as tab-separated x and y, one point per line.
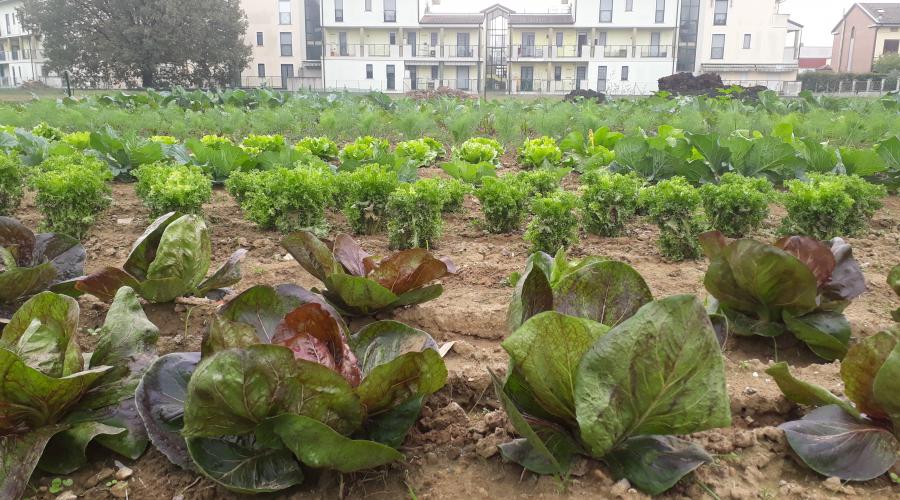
748	42
21	57
615	46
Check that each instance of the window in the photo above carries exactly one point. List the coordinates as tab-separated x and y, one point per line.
370	72
284	11
261	70
601	79
559	39
313	30
720	16
287	44
625	73
718	47
392	38
557	73
259	38
368	5
338	11
390	11
343	46
391	77
655	50
891	46
660	11
434	37
629	5
434	72
748	38
602	38
462	77
287	73
606	8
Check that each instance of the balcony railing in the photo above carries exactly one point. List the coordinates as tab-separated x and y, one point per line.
616	51
652	51
467	85
571	51
460	51
342	50
528	52
551	86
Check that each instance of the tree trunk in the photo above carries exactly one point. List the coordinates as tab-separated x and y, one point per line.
148	77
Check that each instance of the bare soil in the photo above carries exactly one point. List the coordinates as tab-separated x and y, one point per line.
452	452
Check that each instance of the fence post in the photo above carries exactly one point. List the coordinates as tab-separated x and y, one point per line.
853	87
869	85
68	83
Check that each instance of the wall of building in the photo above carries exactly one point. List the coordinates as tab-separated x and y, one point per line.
355	13
643	14
628	43
883	34
854	43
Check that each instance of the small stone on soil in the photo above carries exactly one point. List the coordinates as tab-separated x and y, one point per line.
119	490
833	484
67	495
123	474
620	488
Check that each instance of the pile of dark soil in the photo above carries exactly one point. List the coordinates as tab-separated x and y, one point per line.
440	92
708	84
587	94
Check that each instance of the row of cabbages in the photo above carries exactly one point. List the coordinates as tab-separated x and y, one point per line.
283	387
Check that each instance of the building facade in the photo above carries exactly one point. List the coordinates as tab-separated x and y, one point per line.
866	32
21	57
615	46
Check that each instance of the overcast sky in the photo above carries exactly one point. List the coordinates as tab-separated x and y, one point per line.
817	16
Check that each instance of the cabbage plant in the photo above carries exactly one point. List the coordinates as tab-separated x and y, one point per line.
479	150
55	400
280	389
422	151
170	260
30	263
540	152
358	284
620	395
602	290
799	285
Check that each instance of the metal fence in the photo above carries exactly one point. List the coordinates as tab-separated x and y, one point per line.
871	86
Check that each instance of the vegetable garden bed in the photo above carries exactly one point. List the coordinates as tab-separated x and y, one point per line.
462	423
216	314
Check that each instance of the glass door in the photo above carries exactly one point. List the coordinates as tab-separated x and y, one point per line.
527	79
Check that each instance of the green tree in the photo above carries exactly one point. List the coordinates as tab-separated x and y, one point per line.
142	42
887	64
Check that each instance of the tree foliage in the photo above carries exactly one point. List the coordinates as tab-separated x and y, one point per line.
142	42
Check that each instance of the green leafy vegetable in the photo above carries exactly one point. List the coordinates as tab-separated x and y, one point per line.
358	284
170	260
798	285
57	400
575	386
281	388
